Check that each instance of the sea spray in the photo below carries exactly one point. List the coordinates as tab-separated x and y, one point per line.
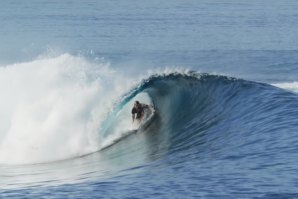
51	108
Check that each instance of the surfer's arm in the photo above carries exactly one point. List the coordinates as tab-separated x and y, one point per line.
145	106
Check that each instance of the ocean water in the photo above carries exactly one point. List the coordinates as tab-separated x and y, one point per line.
222	76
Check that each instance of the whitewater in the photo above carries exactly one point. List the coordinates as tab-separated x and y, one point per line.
54	108
221	76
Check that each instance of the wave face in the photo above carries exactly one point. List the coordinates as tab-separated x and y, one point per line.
224	109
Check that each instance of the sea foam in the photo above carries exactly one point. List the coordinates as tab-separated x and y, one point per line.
52	107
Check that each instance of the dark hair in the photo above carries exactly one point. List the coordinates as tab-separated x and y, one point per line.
137	102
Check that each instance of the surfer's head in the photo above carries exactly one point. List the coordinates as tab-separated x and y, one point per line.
137	103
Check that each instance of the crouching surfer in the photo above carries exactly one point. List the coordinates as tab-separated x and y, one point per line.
138	111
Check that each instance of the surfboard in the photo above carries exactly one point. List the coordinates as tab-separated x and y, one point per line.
115	141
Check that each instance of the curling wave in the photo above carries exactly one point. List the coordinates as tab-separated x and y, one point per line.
214	112
79	112
65	107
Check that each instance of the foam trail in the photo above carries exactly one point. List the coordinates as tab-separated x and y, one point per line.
51	108
292	86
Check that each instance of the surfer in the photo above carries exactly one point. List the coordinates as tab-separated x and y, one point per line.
138	111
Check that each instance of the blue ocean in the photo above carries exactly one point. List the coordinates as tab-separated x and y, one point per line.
222	77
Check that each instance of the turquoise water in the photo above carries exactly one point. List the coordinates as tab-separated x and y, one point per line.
222	76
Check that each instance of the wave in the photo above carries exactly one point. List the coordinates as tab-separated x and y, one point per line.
66	107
